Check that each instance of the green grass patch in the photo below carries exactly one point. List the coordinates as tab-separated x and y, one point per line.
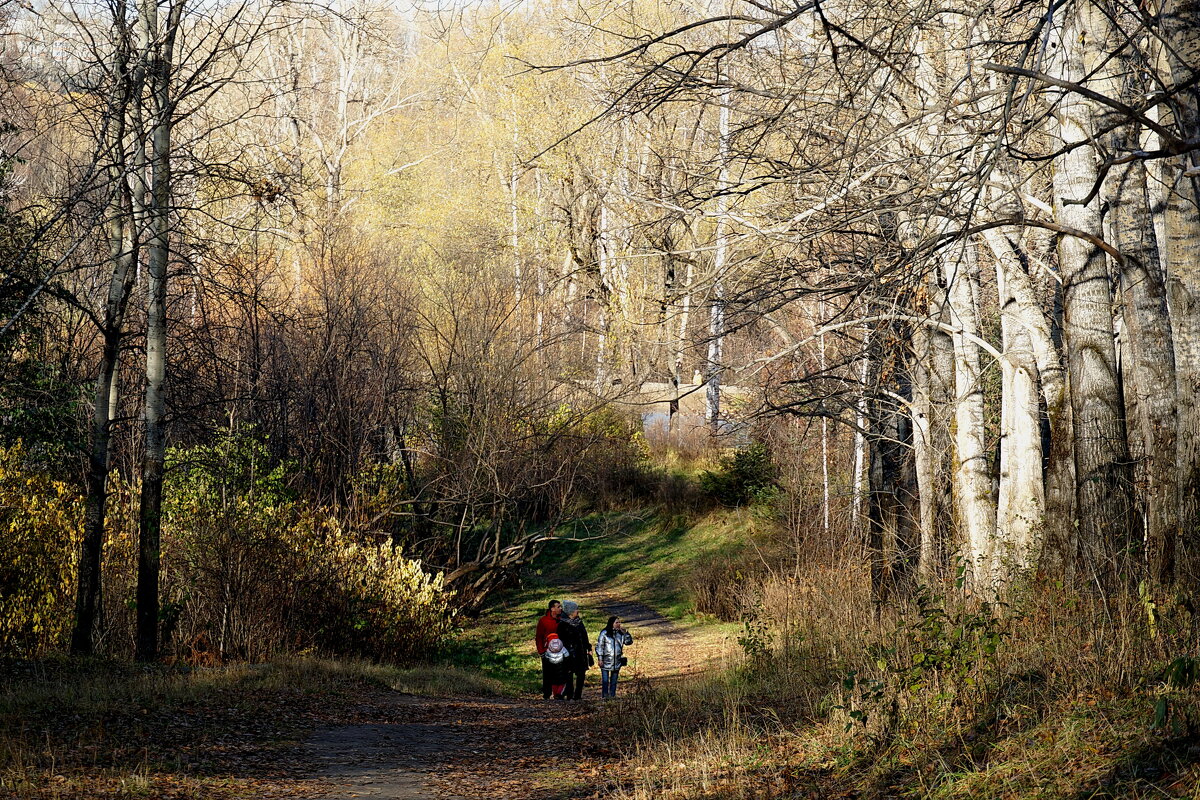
660	560
670	563
497	648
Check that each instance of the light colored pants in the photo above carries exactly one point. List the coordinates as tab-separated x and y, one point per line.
608	682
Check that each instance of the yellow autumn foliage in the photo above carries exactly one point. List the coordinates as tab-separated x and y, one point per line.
385	604
40	525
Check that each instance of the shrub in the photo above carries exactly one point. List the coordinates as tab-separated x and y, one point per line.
741	477
371	600
40	524
251	572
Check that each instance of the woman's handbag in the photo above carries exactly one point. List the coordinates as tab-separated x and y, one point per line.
623	661
591	661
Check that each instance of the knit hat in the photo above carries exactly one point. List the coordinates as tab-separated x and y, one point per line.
570	607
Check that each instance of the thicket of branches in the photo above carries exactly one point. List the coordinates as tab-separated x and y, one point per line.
973	232
948	253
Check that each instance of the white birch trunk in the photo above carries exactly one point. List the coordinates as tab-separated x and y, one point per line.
1021	504
972	474
1101	455
716	313
1180	249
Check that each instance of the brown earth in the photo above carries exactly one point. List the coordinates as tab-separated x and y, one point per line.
404	748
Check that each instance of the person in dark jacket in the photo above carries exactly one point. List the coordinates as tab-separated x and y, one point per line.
574	635
554	666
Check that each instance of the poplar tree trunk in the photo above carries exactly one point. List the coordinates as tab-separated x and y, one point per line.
1021	505
933	401
159	50
1102	467
716	311
893	528
972	472
122	256
1149	372
88	596
861	422
1057	556
1180	31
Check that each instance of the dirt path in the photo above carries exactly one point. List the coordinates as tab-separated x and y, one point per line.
661	649
396	747
405	748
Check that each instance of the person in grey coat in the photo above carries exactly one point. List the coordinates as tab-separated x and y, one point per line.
610	649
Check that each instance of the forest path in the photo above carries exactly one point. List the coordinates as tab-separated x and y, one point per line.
400	747
662	650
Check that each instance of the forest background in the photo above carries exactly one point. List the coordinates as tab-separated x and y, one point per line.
320	321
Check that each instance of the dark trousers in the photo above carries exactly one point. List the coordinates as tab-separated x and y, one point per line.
547	679
575	680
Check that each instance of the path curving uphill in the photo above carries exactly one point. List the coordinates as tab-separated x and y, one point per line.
662	650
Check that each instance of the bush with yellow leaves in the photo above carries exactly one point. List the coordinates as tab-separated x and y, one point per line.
372	600
40	526
251	571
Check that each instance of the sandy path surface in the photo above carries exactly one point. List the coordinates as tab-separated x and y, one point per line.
661	649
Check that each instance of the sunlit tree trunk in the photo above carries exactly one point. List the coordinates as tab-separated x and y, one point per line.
1026	310
976	513
1149	371
933	401
604	322
1021	504
1101	455
861	481
1180	31
716	310
822	365
680	339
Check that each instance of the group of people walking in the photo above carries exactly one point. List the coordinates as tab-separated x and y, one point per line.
567	653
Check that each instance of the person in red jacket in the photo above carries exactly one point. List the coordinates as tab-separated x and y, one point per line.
546	626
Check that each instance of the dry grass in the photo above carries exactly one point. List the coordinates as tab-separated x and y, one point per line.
98	729
1053	696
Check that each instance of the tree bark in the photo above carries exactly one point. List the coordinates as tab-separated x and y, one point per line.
933	399
716	310
1021	506
1180	32
1102	466
88	596
972	472
158	50
122	256
1149	373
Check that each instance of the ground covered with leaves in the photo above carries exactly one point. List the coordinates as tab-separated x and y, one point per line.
93	729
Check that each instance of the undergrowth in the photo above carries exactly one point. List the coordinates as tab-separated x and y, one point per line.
1049	695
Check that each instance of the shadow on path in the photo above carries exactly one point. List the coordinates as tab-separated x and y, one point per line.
398	747
404	748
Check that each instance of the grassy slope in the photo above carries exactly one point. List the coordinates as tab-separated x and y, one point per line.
647	557
775	731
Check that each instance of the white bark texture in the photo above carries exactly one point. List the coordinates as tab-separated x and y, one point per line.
1101	455
1180	31
976	513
